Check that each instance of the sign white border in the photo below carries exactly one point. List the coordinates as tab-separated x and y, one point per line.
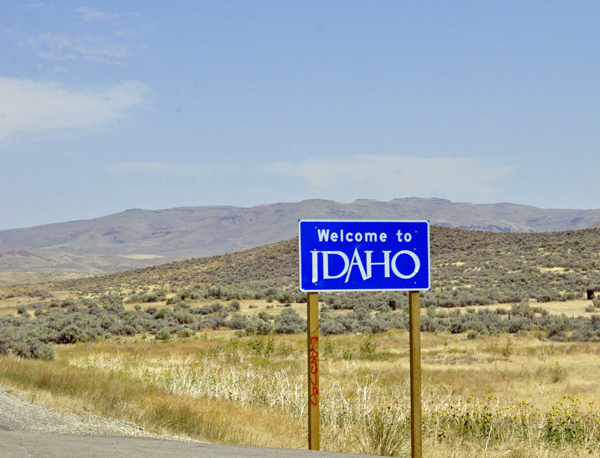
363	221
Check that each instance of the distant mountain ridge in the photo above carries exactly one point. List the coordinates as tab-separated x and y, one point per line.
64	261
186	232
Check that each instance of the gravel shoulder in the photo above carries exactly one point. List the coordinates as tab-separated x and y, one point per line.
33	431
18	415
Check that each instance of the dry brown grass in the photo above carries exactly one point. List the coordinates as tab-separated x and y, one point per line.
115	395
143	382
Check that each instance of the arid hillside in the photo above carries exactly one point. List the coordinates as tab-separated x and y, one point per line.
468	268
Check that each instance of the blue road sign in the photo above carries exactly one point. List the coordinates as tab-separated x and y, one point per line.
364	255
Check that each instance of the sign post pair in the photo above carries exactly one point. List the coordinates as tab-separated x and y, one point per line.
364	256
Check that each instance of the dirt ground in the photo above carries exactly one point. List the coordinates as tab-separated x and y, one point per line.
569	308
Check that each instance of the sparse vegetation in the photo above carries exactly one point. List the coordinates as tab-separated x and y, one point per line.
468	268
86	321
233	327
177	386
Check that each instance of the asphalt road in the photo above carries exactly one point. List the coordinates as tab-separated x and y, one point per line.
21	444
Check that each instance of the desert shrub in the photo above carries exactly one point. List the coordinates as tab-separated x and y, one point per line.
185	332
151	298
238	321
114	307
257	326
146	297
25	344
336	304
66	303
253	325
181	305
477	325
457	326
209	309
265	316
429	324
227	294
128	315
284	298
128	330
40	350
163	313
516	325
547	296
511	297
556	330
380	323
289	322
41	293
72	334
164	335
351	322
331	327
213	322
188	294
183	317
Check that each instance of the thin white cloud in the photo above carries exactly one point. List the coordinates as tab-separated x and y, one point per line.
389	177
92	14
33	107
60	47
160	168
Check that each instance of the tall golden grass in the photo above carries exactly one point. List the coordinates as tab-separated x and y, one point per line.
489	396
116	395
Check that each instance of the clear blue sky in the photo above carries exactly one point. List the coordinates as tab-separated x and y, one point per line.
111	105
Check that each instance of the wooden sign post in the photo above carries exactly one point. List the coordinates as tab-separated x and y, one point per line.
416	424
312	342
339	255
